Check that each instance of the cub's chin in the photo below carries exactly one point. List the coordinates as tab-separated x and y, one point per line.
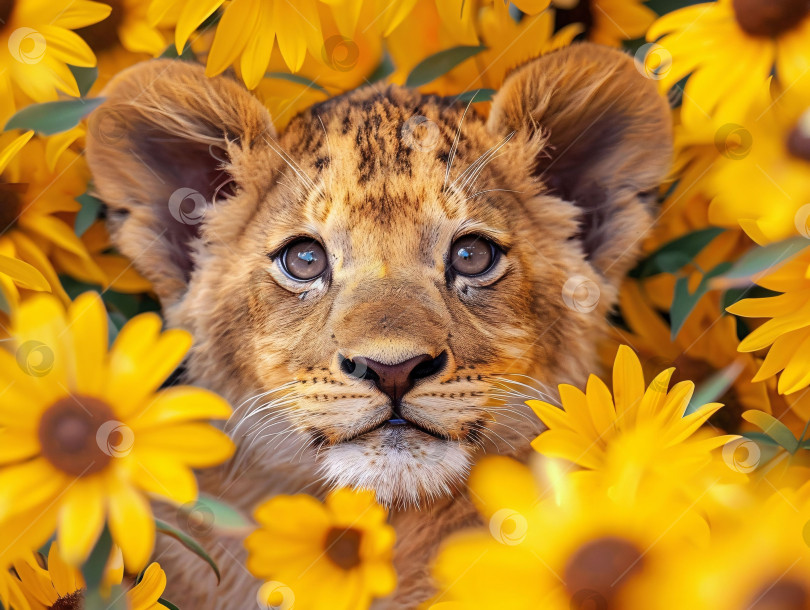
402	464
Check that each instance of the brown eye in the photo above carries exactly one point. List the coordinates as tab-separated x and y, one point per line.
304	260
472	255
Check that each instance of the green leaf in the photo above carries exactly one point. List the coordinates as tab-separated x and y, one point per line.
676	254
383	70
440	63
53	117
186	55
168	604
298	79
711	389
480	95
5	306
773	428
93	568
85	78
188	542
88	214
762	438
224	516
683	302
765	258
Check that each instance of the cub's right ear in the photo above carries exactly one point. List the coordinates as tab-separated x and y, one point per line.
163	146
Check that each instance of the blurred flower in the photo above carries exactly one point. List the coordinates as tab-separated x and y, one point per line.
552	543
60	585
589	423
775	169
731	48
787	332
37	44
127	26
70	415
333	555
758	558
508	43
34	205
608	22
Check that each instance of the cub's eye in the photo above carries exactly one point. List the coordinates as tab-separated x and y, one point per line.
304	260
472	255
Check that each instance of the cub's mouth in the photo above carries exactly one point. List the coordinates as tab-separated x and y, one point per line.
397	423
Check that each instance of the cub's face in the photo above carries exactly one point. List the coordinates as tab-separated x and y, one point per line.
370	285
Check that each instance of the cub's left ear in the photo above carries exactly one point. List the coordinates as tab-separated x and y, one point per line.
599	136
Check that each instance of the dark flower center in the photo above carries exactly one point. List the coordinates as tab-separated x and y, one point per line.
782	595
343	547
103	35
769	17
798	143
580	12
6	8
598	569
74	601
68	434
10	203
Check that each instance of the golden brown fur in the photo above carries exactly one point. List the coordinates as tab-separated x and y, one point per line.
559	176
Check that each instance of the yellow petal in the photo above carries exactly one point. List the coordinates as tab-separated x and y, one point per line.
131	524
229	39
628	384
145	594
197	445
81	518
193	14
23	274
13	148
181	404
88	320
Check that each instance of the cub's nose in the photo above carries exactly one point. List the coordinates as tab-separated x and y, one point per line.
394	380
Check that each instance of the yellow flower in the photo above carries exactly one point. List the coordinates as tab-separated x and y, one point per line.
767	190
508	43
333	555
591	422
759	558
607	22
36	208
128	26
37	44
553	543
248	29
84	428
20	534
60	585
730	48
787	332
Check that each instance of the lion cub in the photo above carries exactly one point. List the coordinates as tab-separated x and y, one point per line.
358	284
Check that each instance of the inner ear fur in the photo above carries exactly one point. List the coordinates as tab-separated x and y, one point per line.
163	127
601	138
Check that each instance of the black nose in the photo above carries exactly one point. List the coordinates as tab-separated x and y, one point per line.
394	380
